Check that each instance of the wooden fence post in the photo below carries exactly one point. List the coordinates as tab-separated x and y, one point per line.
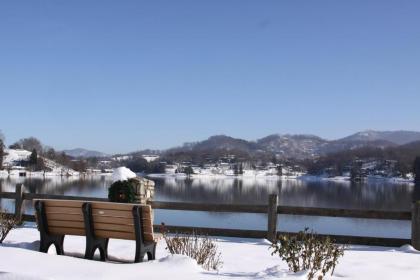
272	217
19	202
415	225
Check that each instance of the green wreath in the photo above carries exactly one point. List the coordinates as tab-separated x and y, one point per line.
122	191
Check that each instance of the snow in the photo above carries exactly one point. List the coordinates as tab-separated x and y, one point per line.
13	156
242	259
122	174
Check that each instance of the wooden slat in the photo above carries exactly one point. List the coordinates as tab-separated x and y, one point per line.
209	207
67	224
65	217
112	213
8	195
346	213
113	220
63	210
148	236
214	231
66	231
32	196
115	234
114	206
63	203
113	227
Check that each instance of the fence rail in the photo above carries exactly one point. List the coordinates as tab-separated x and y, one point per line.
272	209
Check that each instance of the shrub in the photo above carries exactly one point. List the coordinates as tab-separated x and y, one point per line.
7	223
201	248
305	251
122	191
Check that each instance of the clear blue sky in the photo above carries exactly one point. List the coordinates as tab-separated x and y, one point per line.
119	76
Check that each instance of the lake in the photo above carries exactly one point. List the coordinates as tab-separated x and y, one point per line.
378	195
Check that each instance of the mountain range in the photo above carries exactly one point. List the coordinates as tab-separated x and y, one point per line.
299	146
84	153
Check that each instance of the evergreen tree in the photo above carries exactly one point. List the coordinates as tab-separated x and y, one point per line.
241	169
235	170
188	170
33	159
280	170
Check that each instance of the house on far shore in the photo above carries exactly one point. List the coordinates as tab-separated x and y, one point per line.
150	158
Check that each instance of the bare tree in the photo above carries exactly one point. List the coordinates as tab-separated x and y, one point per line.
29	144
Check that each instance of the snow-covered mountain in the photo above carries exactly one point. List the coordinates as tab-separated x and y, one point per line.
83	153
303	146
296	146
400	137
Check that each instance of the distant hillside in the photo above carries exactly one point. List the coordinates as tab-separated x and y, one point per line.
298	146
403	154
400	137
83	153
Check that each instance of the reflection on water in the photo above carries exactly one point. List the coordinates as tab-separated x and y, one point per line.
376	195
372	195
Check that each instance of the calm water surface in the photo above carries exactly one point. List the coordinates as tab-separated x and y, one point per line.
371	195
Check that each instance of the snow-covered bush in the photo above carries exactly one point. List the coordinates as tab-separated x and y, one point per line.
201	248
305	251
7	223
122	191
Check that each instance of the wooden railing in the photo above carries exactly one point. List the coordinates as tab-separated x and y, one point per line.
271	209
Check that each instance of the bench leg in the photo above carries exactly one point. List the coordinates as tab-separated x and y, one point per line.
47	240
98	243
151	255
141	251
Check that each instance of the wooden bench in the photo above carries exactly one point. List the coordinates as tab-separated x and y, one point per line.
98	221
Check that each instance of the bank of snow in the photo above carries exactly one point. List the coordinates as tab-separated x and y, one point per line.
243	259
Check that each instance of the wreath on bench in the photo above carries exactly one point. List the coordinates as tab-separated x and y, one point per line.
122	191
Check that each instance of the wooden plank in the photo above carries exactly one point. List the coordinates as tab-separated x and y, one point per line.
113	227
19	202
63	210
348	213
112	213
115	234
361	240
66	231
415	225
148	236
119	206
214	231
65	217
67	224
62	203
113	220
8	195
272	217
209	207
32	196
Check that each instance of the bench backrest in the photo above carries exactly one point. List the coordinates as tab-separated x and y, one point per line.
110	220
115	220
64	217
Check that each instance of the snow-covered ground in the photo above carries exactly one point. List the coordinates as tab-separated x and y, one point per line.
242	258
